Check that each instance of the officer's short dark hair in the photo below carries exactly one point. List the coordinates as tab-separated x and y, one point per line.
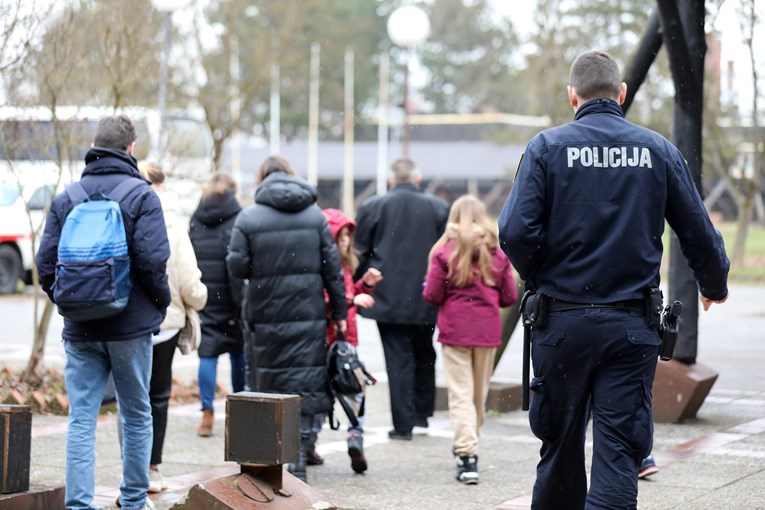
595	74
115	132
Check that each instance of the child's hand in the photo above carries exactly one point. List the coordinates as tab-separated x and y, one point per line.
364	301
372	277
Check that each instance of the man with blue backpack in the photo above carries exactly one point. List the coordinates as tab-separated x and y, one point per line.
102	260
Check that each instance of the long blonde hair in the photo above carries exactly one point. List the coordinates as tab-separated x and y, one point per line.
475	237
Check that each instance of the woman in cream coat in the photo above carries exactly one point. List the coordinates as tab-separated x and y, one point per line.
187	290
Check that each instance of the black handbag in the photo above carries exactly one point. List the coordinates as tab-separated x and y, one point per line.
347	375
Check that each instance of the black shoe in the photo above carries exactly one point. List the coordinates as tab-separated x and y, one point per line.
356	452
401	436
467	469
314	459
421	422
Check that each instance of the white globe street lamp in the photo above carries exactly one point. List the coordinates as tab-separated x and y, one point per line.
407	27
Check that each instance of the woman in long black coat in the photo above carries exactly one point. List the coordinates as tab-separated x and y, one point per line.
283	247
210	233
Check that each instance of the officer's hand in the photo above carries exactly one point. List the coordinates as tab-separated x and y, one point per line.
706	302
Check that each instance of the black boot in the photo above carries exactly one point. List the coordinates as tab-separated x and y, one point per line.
312	457
298	469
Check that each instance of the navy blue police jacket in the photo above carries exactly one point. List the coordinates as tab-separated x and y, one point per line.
584	220
147	244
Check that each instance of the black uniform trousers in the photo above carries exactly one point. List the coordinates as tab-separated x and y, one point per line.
605	357
410	360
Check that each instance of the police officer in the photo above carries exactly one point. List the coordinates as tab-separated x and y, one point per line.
583	226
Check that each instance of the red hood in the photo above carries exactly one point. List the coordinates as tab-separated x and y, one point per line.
337	220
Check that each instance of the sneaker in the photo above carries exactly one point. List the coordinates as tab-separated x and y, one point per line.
356	452
148	505
467	469
647	467
156	482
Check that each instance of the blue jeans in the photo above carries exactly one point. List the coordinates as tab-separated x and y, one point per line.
208	374
87	368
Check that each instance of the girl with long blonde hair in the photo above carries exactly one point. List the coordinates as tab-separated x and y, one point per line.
470	278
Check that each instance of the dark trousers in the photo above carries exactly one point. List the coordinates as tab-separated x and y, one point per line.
410	360
160	388
606	358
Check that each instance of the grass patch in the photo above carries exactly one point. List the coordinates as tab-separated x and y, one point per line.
753	268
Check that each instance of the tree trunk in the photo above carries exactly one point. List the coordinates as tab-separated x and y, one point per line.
31	372
742	227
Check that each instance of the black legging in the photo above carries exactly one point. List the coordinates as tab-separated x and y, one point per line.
160	388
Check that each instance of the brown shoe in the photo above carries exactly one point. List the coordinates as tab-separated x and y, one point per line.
205	424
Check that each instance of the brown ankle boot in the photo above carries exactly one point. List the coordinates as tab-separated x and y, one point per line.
205	424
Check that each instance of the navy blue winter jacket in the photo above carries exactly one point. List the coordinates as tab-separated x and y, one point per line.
147	245
584	220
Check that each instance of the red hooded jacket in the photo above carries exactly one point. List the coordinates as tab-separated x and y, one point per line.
337	220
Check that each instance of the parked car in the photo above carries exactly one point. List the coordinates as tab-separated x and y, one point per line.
16	227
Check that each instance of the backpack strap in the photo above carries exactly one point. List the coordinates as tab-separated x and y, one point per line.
76	193
123	189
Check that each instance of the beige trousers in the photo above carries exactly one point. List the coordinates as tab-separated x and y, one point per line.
468	371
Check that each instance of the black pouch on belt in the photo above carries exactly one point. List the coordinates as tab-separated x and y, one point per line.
534	310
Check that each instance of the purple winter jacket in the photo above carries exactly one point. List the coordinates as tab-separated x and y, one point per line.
469	316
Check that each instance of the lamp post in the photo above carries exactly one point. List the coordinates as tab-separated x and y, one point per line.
407	27
167	7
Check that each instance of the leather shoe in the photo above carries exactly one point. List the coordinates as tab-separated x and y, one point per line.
421	422
401	436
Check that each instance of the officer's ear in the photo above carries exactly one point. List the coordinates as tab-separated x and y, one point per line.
572	97
622	92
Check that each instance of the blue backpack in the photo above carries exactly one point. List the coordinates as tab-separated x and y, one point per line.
93	269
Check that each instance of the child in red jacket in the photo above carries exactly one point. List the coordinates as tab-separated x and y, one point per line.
470	278
358	294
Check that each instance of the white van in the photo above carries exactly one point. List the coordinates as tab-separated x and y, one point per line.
40	153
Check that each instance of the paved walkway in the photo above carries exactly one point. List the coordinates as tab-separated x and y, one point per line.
715	461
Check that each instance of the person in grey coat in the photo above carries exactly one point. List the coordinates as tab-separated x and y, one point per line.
283	246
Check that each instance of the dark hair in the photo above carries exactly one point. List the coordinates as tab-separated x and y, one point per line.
116	132
273	165
595	74
218	184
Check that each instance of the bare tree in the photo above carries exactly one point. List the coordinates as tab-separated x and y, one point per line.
749	185
17	24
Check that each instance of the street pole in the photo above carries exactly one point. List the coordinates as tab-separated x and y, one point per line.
313	115
382	125
348	177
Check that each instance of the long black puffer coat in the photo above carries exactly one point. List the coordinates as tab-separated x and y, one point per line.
210	232
283	246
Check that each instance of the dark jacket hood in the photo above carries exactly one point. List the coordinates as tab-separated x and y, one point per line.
216	209
284	192
100	160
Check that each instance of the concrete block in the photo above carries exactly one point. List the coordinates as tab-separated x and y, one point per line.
244	492
679	390
38	496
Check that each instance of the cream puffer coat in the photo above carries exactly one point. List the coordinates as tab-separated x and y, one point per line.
183	275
